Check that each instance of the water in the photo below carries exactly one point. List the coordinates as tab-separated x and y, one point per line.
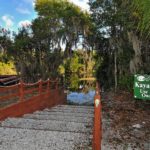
81	98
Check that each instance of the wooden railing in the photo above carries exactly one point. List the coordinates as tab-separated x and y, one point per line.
97	130
23	98
8	79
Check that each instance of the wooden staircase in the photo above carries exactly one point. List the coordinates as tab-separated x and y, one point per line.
45	123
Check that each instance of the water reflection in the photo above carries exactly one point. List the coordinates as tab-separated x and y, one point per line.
81	98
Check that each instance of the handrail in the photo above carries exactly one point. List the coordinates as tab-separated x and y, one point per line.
46	81
97	130
5	88
4	76
25	88
11	81
29	97
31	84
7	79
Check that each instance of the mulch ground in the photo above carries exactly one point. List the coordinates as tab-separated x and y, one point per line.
130	118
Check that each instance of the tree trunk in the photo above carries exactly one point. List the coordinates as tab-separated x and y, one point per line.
136	63
115	63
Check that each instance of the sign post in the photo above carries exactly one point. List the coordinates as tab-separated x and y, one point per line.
142	87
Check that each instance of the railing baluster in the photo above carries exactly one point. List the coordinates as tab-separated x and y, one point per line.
40	87
48	85
56	86
32	103
21	89
97	131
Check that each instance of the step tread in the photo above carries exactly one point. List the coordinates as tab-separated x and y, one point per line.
46	125
23	139
59	118
63	113
63	127
79	110
75	106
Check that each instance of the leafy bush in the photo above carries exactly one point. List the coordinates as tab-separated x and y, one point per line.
7	68
74	80
126	82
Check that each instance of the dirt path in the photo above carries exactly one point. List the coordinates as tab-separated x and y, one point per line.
126	122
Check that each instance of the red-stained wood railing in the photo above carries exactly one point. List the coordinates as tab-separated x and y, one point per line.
8	79
28	98
97	130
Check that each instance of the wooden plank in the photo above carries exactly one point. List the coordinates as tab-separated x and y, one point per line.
12	81
7	88
9	96
8	79
6	76
29	91
97	130
39	102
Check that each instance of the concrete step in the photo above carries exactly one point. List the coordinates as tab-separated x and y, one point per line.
64	113
50	125
24	139
60	128
59	118
72	109
74	106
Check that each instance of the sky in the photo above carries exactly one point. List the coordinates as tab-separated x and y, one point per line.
17	13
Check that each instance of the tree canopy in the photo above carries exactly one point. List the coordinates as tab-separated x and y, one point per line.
62	23
114	41
121	30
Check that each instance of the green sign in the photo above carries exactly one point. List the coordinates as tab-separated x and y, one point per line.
142	87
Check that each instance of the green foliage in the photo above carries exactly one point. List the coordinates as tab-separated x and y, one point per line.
141	9
113	22
126	82
70	69
6	61
74	81
99	61
7	68
60	22
80	65
61	69
74	64
37	49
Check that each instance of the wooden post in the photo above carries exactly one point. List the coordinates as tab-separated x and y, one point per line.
56	86
97	136
40	87
21	90
48	85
